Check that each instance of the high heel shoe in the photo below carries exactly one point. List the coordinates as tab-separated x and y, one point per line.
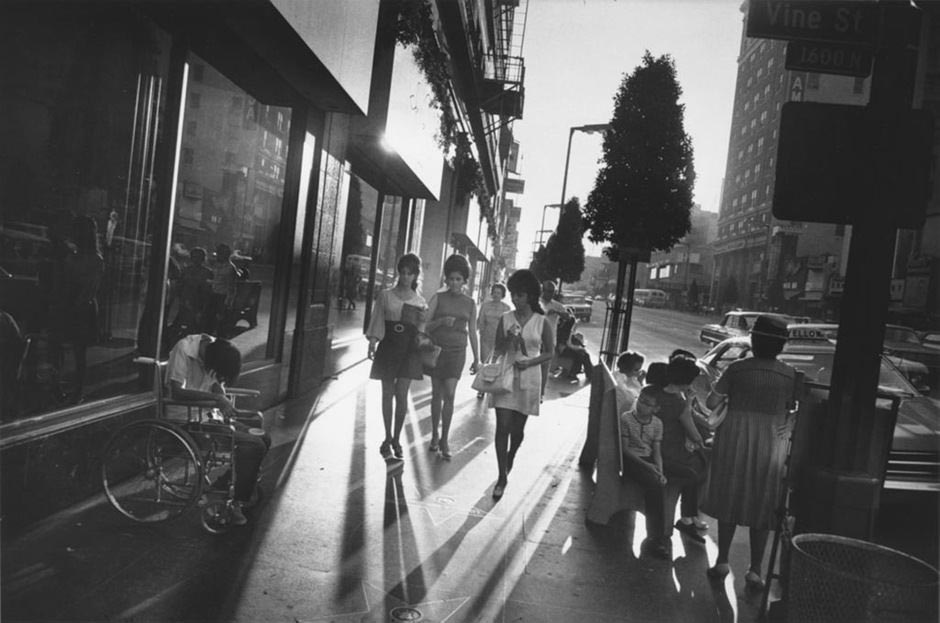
434	446
445	451
397	451
386	449
753	581
498	490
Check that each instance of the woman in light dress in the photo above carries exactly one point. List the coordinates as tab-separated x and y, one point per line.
526	340
491	311
397	317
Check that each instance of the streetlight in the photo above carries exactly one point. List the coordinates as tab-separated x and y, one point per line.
587	129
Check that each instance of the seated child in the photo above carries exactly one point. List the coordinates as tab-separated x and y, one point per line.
575	350
628	378
641	435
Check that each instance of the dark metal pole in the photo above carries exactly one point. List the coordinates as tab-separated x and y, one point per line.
564	179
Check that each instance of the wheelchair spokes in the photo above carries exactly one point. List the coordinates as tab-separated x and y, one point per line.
151	471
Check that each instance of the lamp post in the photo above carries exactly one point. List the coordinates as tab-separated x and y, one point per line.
587	129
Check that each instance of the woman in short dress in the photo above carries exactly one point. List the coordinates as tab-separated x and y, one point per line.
451	313
397	317
527	340
491	311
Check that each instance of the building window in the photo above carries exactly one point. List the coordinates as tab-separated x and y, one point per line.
236	220
91	129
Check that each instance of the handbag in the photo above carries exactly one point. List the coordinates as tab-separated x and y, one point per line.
494	377
428	352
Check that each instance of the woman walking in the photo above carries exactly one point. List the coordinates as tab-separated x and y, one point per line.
749	451
451	313
397	317
491	311
526	340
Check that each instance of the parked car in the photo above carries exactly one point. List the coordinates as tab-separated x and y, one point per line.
737	323
578	305
931	339
914	459
902	343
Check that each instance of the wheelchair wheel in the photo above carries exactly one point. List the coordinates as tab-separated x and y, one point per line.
216	517
151	471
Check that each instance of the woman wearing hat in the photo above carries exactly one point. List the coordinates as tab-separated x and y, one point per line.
750	446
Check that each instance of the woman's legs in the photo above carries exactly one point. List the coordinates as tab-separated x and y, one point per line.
437	397
448	387
504	422
401	409
758	545
516	435
725	536
388	394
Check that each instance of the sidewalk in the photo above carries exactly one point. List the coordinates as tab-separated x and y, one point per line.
342	538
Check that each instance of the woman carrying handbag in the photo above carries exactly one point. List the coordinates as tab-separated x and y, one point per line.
525	340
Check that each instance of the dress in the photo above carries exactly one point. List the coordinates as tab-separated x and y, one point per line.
750	446
395	323
452	339
490	313
526	391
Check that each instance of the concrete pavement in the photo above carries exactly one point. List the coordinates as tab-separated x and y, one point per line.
342	537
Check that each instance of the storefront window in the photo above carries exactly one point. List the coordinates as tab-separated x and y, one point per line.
228	213
83	100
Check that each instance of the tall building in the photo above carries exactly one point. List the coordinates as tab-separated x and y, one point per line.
689	262
762	262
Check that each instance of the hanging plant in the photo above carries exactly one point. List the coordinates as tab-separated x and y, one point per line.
414	28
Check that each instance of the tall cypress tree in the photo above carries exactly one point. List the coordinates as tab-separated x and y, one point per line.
564	251
643	193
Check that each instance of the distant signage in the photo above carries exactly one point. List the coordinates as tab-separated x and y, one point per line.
820	20
515	185
836	284
829	58
897	290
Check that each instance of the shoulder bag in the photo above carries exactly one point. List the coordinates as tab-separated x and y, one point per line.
494	377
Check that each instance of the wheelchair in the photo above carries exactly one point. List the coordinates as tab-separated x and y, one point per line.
157	469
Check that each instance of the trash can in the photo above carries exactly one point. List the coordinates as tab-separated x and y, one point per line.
835	578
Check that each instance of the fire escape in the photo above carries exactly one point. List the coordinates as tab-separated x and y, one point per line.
503	91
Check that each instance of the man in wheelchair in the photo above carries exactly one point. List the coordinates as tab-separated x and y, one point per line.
198	369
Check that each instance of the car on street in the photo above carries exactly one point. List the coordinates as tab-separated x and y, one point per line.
738	322
914	458
902	343
578	305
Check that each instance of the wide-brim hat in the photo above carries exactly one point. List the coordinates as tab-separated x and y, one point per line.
770	326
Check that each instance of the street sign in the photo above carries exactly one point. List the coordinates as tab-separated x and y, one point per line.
829	58
816	20
834	161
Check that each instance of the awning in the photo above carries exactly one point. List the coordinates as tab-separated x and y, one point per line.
463	244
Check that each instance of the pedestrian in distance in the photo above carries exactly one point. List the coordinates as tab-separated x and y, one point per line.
749	451
683	454
527	340
554	312
397	317
199	368
488	317
451	314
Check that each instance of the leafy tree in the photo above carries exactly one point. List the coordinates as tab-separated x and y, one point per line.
564	251
539	263
643	193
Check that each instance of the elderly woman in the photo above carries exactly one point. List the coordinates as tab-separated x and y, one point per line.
749	451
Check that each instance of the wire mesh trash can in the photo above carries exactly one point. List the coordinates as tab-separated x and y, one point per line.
835	578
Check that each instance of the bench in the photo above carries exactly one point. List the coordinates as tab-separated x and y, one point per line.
602	450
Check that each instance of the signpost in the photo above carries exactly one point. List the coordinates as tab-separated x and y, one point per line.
829	58
844	494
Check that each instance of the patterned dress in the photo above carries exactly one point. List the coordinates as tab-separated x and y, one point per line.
526	391
750	446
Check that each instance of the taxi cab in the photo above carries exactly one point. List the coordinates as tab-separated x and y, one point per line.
914	458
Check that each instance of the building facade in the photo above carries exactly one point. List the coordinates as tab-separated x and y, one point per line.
288	139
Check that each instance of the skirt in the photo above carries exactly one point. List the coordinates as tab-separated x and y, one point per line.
450	364
395	357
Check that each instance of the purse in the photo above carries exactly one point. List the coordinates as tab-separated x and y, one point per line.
428	352
494	377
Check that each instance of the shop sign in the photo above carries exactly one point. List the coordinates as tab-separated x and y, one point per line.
840	22
836	284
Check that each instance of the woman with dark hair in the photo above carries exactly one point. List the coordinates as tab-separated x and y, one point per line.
683	460
527	340
750	446
397	317
451	314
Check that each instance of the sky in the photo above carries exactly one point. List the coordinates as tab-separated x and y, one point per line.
577	53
